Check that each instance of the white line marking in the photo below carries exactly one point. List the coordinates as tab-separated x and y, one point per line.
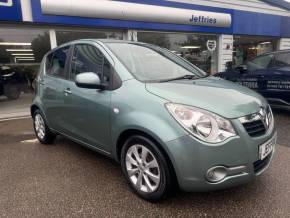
15	118
30	141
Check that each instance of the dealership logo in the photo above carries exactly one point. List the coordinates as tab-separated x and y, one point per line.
6	3
211	45
202	19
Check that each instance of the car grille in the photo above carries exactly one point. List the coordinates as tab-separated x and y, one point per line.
258	124
261	164
255	128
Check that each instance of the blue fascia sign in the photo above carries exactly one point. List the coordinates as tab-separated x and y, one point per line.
121	14
10	10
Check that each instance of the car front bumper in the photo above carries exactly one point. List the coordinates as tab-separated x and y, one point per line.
240	155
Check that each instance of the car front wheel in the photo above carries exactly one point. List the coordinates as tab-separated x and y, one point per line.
146	168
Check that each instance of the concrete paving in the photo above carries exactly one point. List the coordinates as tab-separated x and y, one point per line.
15	108
68	180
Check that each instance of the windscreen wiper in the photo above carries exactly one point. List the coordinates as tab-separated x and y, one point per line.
188	76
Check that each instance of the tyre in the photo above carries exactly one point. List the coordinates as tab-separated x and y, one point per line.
12	91
42	132
146	169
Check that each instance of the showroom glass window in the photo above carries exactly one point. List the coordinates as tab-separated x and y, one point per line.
282	59
63	36
248	47
199	49
21	51
88	58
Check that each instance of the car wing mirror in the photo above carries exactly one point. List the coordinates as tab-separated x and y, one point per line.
242	69
229	66
89	80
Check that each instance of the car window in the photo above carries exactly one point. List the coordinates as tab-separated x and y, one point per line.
261	62
88	58
55	63
151	63
282	60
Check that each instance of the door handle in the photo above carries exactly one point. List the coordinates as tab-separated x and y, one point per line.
67	91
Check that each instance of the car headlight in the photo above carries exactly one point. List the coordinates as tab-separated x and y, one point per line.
204	125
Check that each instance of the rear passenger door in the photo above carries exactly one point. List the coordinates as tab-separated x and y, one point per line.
56	73
88	110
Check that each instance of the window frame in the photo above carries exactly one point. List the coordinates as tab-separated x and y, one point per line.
72	56
66	67
115	80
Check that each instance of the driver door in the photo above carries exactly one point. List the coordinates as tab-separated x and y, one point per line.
88	110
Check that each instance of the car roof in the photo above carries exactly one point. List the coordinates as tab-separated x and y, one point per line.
105	41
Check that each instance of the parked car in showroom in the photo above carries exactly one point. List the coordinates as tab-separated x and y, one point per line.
163	119
9	80
14	80
268	74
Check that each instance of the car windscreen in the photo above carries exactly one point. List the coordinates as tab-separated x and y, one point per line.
149	63
260	62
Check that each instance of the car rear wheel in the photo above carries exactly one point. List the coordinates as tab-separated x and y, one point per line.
146	168
42	132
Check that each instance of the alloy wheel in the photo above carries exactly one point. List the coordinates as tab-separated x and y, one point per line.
142	168
39	126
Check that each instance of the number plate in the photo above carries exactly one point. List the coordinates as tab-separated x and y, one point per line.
267	148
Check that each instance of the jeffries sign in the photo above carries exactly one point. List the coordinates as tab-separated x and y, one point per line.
134	12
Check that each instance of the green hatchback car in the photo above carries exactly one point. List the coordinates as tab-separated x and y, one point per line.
164	120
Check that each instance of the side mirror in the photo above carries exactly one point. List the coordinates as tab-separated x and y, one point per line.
89	80
229	66
241	68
